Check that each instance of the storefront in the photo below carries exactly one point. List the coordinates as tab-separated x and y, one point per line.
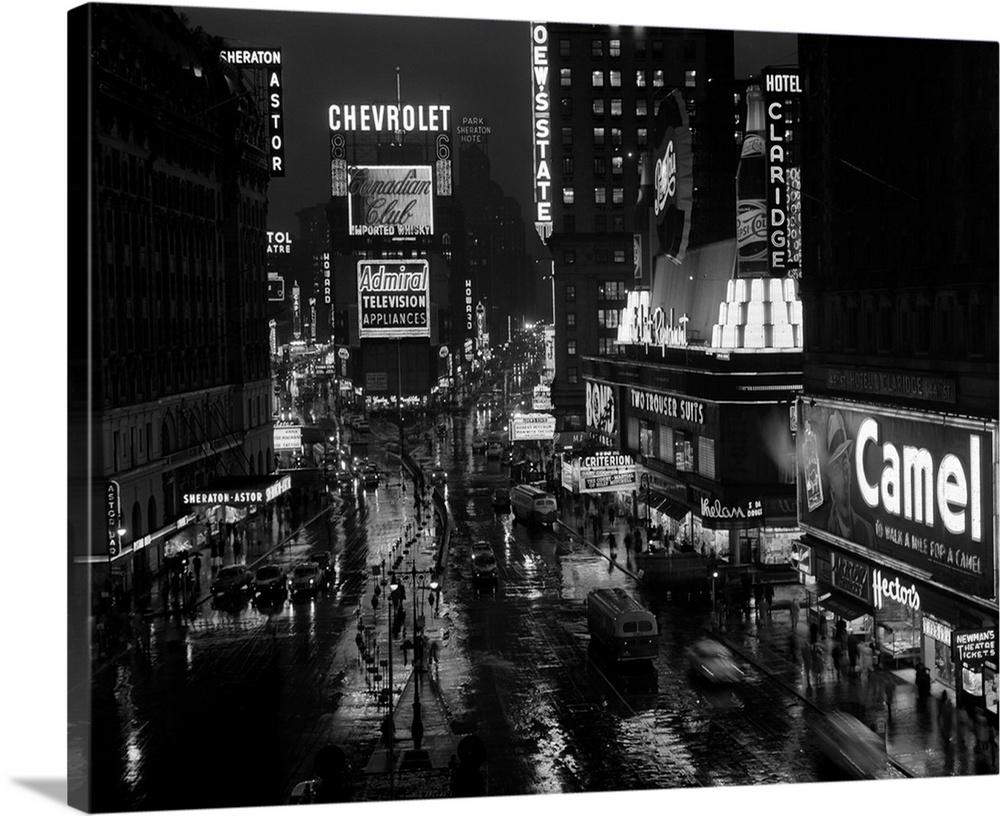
899	511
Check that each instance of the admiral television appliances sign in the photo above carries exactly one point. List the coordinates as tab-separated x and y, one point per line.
390	201
918	489
394	299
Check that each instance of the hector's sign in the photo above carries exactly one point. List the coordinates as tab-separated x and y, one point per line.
918	488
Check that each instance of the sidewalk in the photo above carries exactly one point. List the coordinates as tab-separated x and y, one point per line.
912	736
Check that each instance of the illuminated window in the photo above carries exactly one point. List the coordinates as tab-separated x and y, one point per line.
597	79
690	79
616	136
598	107
598	137
640	79
597	48
600	195
567	166
572	375
617	164
642	137
616	79
618	223
567	195
566	105
611	290
564	48
565	77
615	48
620	259
606	345
567	137
608	318
571	320
642	107
647	438
658	78
570	293
618	195
616	108
571	348
600	166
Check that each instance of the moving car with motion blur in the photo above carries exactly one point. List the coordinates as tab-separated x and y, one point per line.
712	661
479	444
853	747
439	475
494	450
305	578
231	580
369	477
501	500
268	583
323	560
484	564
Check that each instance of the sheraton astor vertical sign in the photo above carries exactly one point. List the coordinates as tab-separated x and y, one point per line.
394	298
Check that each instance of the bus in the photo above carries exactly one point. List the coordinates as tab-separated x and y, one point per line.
620	626
532	505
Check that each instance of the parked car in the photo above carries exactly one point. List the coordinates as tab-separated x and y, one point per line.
853	747
484	564
268	582
231	580
345	480
305	578
501	499
712	661
494	450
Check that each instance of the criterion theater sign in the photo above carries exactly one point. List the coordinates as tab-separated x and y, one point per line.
394	298
390	201
607	472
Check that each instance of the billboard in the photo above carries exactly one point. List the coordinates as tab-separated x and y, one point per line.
270	60
528	427
673	176
390	201
287	438
918	488
542	129
602	413
782	87
394	298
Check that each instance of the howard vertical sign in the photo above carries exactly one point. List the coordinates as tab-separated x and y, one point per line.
394	299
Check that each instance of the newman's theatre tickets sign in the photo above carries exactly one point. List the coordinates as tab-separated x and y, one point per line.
390	201
394	299
918	489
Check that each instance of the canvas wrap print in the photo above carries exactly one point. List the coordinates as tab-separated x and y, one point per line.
522	408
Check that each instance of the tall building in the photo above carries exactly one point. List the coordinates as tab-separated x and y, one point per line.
897	426
494	250
169	366
596	94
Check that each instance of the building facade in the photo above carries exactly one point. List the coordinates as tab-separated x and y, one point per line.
170	384
897	426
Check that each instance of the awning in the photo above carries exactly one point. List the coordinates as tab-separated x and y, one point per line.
844	606
668	506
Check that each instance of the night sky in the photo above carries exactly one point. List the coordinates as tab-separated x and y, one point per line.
479	67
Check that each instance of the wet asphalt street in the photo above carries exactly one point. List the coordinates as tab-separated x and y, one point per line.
244	696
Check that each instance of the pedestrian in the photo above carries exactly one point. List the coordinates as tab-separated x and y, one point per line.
818	660
611	516
864	660
407	645
807	663
768	598
237	548
923	683
196	568
945	718
889	690
434	652
982	730
793	612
